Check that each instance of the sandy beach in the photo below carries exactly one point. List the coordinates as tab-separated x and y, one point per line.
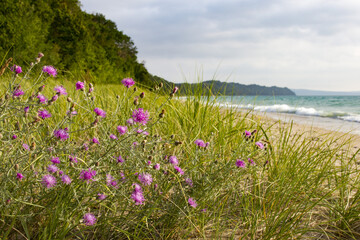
314	128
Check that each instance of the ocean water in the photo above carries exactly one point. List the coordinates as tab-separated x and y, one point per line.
339	113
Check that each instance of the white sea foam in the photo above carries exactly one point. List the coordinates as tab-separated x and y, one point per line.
284	108
305	111
351	118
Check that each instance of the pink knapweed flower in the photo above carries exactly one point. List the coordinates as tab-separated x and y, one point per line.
66	179
42	99
18	92
189	182
145	178
26	109
14	136
157	166
101	196
179	170
200	143
140	116
89	219
52	168
95	141
192	202
110	181
122	129
251	162
19	176
86	147
73	113
260	145
128	82
247	134
137	195
87	175
48	181
142	131
100	112
122	176
55	160
61	134
173	160
120	159
130	121
26	147
73	159
50	70
240	163
175	90
44	114
79	85
112	136
17	69
60	90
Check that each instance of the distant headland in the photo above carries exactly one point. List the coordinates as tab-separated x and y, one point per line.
233	89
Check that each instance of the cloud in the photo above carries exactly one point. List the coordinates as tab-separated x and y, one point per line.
300	44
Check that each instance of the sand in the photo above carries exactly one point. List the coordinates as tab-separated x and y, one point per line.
316	129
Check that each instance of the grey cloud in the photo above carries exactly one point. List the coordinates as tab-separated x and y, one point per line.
285	41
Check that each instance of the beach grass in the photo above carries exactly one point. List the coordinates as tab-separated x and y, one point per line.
233	178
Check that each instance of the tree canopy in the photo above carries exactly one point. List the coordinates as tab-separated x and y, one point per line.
71	39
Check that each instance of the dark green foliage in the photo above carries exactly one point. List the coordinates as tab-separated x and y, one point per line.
87	45
233	89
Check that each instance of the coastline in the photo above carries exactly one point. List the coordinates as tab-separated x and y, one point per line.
314	128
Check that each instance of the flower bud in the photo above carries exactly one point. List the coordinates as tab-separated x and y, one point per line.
162	114
96	121
41	88
33	146
175	90
135	89
136	102
37	60
17	126
54	98
142	95
40	55
16	166
69	99
161	85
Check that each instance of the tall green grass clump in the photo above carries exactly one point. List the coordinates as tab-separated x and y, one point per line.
80	161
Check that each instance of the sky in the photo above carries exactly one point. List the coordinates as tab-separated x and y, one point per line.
299	44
